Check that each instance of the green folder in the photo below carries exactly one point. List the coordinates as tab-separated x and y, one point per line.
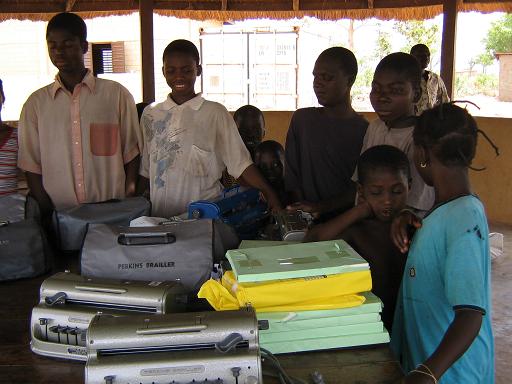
372	304
304	325
313	343
322	330
294	261
263	243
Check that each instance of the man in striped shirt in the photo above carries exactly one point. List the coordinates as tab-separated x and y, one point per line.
78	137
8	154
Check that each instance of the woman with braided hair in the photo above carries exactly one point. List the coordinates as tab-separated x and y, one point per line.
442	329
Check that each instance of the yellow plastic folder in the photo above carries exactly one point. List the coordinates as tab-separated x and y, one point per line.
300	294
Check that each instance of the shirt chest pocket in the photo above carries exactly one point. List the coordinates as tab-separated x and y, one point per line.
201	163
104	139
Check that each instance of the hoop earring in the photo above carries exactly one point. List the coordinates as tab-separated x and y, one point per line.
423	164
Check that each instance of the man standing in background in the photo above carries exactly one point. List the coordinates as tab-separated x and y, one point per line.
433	90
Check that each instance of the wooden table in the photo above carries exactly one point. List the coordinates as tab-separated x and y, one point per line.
369	365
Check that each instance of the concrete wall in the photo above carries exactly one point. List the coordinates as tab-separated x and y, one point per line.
505	82
493	186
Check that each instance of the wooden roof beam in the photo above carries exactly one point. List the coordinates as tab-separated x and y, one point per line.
286	5
47	7
69	5
57	6
484	1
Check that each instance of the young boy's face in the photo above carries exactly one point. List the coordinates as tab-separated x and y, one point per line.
252	128
180	71
385	190
330	83
270	165
66	51
392	96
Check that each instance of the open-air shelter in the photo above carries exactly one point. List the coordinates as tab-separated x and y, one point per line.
225	10
493	185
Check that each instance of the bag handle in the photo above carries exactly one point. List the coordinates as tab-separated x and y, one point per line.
105	202
175	220
146	238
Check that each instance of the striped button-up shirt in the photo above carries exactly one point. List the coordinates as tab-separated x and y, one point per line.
8	168
79	141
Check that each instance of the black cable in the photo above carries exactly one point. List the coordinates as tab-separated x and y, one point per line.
283	376
275	364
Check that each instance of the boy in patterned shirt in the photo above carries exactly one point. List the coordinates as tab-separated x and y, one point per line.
189	141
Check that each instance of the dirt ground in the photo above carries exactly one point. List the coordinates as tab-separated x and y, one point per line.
502	306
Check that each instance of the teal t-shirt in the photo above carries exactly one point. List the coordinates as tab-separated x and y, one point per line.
448	266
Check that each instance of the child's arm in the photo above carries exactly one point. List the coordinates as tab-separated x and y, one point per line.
252	176
131	140
341	202
35	186
292	172
142	186
131	171
334	228
297	197
457	339
400	227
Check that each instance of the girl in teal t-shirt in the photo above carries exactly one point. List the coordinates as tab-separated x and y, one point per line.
442	328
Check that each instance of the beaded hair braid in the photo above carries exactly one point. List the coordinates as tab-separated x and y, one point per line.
450	132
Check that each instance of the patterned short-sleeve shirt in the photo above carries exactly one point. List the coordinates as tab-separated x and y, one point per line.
433	92
186	148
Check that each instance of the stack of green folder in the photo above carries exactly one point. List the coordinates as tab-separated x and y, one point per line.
311	330
294	260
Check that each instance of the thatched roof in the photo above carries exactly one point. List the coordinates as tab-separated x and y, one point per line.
242	9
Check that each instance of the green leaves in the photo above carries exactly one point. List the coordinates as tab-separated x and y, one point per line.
499	37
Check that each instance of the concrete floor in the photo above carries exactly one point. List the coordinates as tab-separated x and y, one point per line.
502	307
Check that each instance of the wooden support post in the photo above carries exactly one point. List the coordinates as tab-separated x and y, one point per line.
147	50
296	5
448	45
370	4
69	5
224	5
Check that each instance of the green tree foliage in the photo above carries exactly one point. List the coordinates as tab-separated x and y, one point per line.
416	32
383	45
484	59
481	84
499	36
